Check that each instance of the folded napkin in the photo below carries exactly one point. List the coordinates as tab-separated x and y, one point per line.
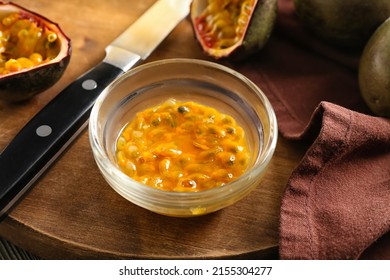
337	202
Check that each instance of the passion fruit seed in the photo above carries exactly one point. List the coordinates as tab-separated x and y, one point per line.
51	37
223	22
24	44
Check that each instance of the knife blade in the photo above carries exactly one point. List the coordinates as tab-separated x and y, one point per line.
39	143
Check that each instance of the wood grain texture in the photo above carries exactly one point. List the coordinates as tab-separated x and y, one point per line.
72	213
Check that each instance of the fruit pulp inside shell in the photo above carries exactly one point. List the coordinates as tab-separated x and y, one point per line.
223	23
25	43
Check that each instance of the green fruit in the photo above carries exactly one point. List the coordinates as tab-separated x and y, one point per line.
345	23
233	29
374	71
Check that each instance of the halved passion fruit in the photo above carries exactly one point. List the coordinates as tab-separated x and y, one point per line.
34	53
233	29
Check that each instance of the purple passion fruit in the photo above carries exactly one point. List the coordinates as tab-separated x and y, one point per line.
374	71
347	24
34	53
233	29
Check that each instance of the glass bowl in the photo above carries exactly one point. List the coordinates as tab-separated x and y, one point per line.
201	81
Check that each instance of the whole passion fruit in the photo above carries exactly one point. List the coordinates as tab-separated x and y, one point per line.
348	24
233	29
374	71
34	53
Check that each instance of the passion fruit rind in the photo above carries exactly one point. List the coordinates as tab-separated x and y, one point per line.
259	29
252	38
374	71
25	83
344	24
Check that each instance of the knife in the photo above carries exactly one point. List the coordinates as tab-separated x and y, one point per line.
52	129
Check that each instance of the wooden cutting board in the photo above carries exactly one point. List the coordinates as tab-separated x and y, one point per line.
73	213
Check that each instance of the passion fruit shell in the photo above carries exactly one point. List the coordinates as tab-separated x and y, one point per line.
374	71
347	24
34	53
233	29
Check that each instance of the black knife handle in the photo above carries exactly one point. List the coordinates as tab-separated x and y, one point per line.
48	133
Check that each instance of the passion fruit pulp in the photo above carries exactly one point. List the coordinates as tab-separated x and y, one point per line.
34	53
233	29
374	71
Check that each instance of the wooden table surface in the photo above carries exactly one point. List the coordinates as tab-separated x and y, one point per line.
73	213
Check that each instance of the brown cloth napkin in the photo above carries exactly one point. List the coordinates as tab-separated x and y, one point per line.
337	201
